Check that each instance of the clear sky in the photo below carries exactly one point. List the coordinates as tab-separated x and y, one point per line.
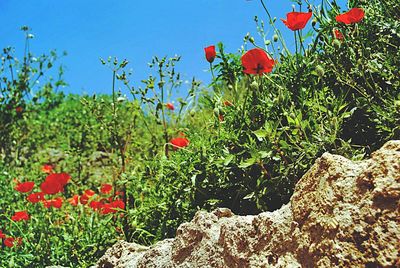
131	29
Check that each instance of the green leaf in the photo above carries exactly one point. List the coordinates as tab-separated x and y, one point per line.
228	159
260	134
247	163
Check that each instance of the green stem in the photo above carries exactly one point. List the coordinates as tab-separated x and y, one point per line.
212	71
271	22
301	42
297	53
163	113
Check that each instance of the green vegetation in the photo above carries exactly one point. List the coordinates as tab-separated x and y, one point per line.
251	136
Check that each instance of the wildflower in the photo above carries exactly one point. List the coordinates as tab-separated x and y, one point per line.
20	216
119	193
170	106
354	15
179	142
210	53
55	203
9	242
35	197
74	200
95	205
25	187
297	20
106	188
228	103
46	168
112	207
257	61
54	183
86	196
19	109
221	118
2	236
338	34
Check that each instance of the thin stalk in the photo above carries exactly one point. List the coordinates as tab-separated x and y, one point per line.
163	114
212	71
271	22
297	53
301	42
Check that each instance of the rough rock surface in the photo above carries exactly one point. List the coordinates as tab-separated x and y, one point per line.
342	214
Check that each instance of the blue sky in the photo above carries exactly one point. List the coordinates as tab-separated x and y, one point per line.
135	30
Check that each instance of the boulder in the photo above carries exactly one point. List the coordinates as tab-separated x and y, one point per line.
342	214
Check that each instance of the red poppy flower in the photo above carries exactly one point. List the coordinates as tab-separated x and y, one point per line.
338	34
170	106
55	203
221	118
2	236
354	15
20	216
9	242
119	193
228	103
54	183
35	197
74	200
210	53
46	168
86	196
19	109
257	61
179	142
25	187
106	188
297	20
95	205
112	207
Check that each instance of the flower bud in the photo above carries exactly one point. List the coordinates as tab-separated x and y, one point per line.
254	85
314	22
251	39
216	111
336	43
320	71
267	42
275	37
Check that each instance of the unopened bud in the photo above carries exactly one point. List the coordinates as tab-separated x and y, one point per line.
267	42
336	43
314	22
254	85
320	71
216	112
275	37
